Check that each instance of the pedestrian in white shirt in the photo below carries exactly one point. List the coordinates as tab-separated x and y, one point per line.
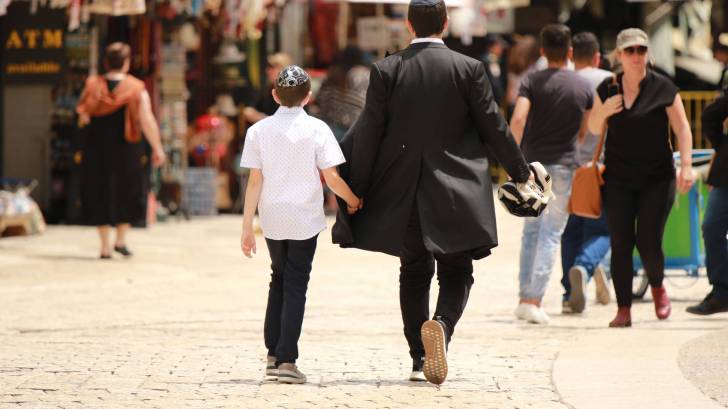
285	152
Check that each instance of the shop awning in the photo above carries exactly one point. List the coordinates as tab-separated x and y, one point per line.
488	4
449	3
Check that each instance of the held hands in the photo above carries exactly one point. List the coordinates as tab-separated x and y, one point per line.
685	179
352	208
247	242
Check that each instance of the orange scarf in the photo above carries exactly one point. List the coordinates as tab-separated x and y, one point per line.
97	100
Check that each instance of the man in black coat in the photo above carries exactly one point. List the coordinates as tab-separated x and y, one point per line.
715	224
417	157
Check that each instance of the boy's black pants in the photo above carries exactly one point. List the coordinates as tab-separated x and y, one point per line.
291	265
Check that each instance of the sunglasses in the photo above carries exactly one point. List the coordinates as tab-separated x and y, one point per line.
640	50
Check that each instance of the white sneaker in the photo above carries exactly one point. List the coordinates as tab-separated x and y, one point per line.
600	279
520	311
577	297
535	315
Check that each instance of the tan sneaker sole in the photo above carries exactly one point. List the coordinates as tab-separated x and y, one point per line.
600	280
433	339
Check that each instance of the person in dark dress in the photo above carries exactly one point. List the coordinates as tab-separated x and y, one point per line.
116	108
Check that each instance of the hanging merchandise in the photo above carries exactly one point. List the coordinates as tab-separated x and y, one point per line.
188	37
118	7
4	7
323	18
252	14
229	67
74	15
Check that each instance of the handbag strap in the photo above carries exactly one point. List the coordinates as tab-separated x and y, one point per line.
598	150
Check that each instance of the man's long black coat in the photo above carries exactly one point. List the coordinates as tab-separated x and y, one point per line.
420	145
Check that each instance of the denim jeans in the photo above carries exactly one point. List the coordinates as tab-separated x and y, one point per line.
542	236
715	228
584	243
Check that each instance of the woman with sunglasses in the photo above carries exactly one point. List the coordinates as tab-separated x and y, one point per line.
637	107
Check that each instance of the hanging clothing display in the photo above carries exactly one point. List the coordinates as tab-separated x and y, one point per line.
118	7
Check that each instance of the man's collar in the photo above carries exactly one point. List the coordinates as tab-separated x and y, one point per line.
427	40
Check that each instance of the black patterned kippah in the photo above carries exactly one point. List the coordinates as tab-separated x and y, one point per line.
292	76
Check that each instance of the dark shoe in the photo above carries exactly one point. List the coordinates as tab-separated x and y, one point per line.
123	251
433	338
710	305
417	375
662	303
623	318
105	256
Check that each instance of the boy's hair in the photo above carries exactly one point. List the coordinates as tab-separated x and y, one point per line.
293	96
555	41
116	55
586	46
427	20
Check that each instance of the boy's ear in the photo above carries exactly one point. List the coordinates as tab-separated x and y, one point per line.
307	99
275	96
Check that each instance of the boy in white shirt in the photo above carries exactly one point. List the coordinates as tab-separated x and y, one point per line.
285	153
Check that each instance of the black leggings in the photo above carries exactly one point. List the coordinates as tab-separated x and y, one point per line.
637	216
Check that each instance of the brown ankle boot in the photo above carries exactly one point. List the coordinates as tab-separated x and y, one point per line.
662	303
623	318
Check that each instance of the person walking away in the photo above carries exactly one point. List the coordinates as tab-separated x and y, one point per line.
418	160
639	178
550	112
118	111
494	63
585	241
284	153
715	224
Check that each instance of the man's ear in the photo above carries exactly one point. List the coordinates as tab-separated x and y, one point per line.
410	28
570	54
275	96
446	25
597	60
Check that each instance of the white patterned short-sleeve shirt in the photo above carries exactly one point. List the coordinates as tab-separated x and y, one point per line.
289	148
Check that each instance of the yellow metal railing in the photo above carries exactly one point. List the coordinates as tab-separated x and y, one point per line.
695	102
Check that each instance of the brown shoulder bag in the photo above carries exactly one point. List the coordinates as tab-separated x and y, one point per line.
586	193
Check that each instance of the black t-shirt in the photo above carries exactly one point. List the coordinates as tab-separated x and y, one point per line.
638	149
558	98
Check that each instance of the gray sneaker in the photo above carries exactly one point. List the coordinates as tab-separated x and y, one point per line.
600	279
577	297
271	371
289	373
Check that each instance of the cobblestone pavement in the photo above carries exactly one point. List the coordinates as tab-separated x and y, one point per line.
179	325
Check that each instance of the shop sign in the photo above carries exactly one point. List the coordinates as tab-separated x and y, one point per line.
33	44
